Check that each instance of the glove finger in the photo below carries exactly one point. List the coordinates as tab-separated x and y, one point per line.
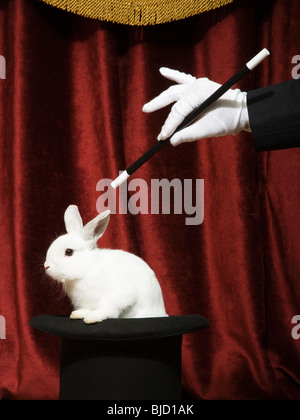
187	135
206	127
164	99
180	110
176	76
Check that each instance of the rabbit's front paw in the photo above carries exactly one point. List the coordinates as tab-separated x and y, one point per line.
94	317
79	314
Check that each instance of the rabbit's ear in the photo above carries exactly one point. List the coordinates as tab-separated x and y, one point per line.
96	227
73	220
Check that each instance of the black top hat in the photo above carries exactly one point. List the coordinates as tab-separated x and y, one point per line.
120	359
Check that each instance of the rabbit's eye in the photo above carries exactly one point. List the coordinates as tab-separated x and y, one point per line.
69	252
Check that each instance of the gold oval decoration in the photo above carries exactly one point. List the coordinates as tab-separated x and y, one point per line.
138	12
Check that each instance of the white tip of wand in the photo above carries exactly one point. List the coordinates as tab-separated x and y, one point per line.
120	180
258	59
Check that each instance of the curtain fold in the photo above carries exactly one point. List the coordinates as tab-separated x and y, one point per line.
71	117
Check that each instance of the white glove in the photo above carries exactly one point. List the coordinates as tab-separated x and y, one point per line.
228	115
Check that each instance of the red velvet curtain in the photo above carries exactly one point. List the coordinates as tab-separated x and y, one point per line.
71	116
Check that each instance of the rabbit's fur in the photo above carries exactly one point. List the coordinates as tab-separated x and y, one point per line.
101	283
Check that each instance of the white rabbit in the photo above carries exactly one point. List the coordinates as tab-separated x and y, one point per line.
101	283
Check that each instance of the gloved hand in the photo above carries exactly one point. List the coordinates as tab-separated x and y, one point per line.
228	115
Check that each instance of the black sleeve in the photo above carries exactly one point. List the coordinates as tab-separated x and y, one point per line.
275	116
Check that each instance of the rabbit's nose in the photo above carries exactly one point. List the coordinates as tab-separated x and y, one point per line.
47	266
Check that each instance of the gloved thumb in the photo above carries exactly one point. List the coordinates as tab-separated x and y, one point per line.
207	126
187	135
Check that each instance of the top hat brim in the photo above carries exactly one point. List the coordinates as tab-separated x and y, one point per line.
121	329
